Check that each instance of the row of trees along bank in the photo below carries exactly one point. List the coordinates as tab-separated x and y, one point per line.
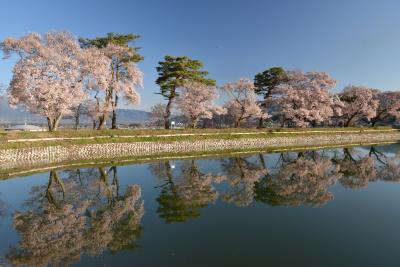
58	75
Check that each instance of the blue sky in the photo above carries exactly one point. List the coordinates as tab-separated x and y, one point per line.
356	41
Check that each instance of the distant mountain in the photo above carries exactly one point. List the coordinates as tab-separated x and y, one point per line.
18	116
127	116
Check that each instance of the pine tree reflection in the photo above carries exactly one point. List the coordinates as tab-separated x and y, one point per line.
182	197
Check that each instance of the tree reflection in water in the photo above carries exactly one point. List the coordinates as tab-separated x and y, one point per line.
300	181
357	172
82	213
242	174
295	179
305	180
182	197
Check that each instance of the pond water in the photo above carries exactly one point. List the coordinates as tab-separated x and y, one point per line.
338	207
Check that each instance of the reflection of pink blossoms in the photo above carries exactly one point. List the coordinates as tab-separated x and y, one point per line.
241	176
357	174
304	182
60	234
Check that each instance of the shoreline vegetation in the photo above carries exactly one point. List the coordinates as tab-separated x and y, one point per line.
17	140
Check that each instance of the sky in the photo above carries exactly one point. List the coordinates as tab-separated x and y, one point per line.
355	41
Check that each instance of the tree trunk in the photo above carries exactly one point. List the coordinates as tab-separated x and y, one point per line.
350	120
56	122
77	116
52	123
102	120
237	123
193	122
94	124
77	121
260	122
114	114
167	113
205	124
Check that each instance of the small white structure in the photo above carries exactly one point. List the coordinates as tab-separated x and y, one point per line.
26	128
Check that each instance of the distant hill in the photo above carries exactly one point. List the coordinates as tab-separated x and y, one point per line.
18	116
132	116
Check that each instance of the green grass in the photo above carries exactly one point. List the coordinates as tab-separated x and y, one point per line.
155	135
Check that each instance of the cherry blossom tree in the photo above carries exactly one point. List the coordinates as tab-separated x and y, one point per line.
94	111
97	81
173	73
305	99
197	102
267	84
47	77
358	102
157	114
389	106
243	101
123	72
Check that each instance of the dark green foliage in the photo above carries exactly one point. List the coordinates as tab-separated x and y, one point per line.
264	194
175	71
118	64
115	39
267	81
172	208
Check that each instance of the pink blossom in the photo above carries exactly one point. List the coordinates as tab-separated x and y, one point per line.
358	102
243	101
305	99
197	102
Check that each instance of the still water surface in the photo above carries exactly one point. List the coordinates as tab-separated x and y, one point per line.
338	207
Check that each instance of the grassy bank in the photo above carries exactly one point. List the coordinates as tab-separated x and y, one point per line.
71	137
